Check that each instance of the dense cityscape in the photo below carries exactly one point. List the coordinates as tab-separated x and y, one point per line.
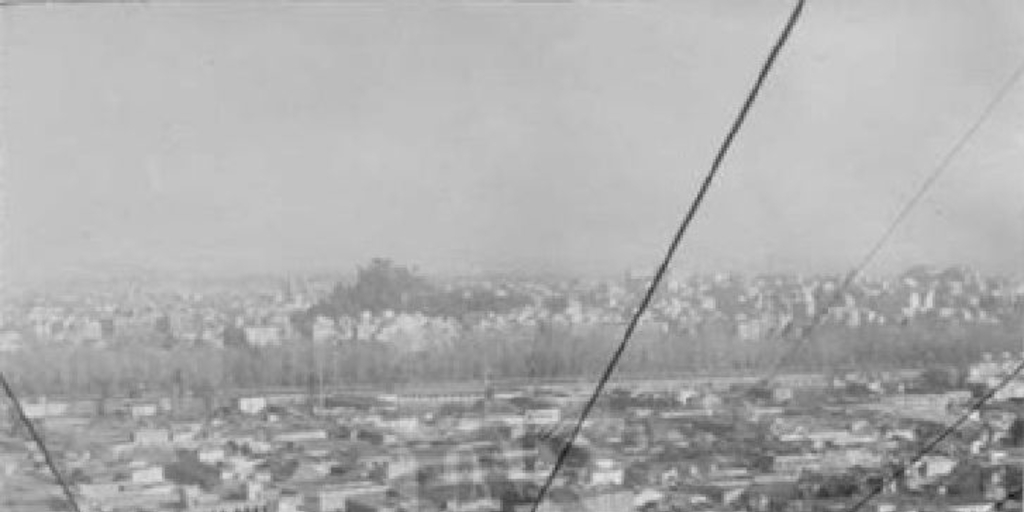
320	256
389	390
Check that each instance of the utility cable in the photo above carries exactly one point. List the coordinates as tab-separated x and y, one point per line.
677	238
946	432
39	442
904	212
850	277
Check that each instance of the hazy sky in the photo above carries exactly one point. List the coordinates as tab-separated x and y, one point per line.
250	136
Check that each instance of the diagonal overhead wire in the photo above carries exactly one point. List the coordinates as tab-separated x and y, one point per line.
39	442
946	432
977	406
869	256
673	246
904	212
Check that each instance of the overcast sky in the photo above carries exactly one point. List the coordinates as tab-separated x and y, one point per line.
257	137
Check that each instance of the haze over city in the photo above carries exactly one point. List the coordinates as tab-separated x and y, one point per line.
318	256
227	138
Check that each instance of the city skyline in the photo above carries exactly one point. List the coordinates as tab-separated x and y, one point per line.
382	257
251	138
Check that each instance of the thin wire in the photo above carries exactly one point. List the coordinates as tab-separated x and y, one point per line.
677	238
876	248
900	217
39	442
952	427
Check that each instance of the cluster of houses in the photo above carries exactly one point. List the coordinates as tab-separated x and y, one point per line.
807	443
264	315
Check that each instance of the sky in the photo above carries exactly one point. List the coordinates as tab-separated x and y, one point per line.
237	137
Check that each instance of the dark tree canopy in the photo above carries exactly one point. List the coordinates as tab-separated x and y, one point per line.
383	285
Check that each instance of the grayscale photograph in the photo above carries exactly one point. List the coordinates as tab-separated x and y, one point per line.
511	256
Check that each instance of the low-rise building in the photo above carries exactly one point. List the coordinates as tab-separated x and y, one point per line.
146	475
334	498
252	404
151	437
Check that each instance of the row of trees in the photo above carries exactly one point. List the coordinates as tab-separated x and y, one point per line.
543	352
527	352
383	285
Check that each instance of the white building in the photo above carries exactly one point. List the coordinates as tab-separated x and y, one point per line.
210	454
147	475
252	404
151	437
263	336
143	410
607	472
548	416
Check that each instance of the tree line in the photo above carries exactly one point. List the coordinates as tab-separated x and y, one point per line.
542	352
546	350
